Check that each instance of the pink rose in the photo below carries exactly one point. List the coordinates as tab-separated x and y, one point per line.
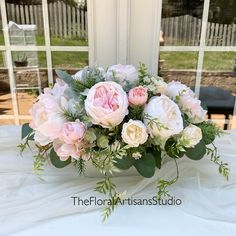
73	132
138	96
106	104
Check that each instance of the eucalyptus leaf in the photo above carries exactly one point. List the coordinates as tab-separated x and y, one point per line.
197	152
65	77
125	163
146	165
26	130
56	160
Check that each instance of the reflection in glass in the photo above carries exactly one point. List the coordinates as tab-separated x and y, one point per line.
179	66
218	86
68	23
25	22
70	60
181	22
221	27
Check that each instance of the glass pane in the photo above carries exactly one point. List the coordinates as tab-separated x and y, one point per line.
68	23
5	94
221	28
25	22
179	66
181	22
69	60
218	86
1	32
30	76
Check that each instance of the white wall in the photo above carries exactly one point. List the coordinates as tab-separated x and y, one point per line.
124	31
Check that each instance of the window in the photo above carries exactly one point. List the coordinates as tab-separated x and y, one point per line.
200	50
37	37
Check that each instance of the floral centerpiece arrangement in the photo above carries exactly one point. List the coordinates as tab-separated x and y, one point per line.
117	119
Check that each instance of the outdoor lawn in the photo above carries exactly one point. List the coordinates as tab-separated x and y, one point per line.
213	61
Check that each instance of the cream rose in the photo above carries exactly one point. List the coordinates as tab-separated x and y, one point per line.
106	104
162	117
134	133
191	135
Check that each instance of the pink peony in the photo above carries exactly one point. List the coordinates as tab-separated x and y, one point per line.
46	118
106	104
138	96
73	132
65	151
192	107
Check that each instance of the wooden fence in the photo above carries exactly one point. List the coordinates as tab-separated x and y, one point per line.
186	30
64	20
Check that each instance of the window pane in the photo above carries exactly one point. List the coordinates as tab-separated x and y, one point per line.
218	86
72	60
68	23
25	20
30	76
179	66
221	28
181	22
5	95
1	33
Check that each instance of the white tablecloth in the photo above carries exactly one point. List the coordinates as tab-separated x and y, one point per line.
33	206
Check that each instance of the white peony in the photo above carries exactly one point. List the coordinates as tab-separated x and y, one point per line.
191	135
162	117
175	88
134	133
122	74
187	101
107	104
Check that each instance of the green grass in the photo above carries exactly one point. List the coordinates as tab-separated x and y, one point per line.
213	61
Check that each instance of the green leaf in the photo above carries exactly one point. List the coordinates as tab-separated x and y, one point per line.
56	160
125	163
157	155
197	152
26	130
146	165
65	77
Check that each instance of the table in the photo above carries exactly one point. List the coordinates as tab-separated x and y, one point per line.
33	206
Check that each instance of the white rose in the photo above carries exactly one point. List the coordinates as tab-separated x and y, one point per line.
122	74
163	117
176	88
191	135
107	104
134	133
